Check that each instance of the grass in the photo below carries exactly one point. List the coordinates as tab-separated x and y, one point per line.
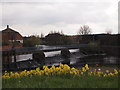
61	82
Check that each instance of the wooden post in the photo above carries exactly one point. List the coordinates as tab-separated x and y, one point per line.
13	48
14	55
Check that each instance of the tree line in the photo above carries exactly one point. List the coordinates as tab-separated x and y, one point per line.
84	35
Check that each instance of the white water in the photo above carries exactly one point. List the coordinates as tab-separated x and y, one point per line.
54	53
47	54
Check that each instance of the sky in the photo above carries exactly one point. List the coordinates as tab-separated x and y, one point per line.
33	17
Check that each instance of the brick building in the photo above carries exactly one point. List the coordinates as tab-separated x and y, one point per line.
10	38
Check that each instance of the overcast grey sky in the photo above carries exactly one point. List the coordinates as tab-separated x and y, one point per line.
41	16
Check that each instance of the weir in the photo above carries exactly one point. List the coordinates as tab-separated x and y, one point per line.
77	59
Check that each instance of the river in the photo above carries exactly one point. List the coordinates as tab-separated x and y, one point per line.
47	54
53	58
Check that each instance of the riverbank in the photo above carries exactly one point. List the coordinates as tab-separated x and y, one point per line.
61	77
62	82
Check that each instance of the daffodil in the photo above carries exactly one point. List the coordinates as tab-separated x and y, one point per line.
99	69
107	71
86	66
61	70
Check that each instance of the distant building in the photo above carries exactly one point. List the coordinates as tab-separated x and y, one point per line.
54	39
102	39
60	39
10	36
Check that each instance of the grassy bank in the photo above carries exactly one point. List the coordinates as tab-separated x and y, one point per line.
61	82
61	77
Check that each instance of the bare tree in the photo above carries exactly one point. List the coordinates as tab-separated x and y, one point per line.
61	32
42	35
84	30
51	32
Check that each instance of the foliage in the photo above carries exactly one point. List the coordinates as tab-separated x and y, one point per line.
62	76
61	82
93	45
15	43
4	43
39	56
65	53
92	48
31	41
60	71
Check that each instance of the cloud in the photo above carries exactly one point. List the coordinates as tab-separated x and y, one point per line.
37	17
59	0
52	13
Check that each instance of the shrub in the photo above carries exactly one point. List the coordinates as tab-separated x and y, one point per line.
65	53
39	56
93	48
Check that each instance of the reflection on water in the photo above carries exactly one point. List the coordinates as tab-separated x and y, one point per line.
22	57
110	59
51	54
47	54
59	60
94	59
75	59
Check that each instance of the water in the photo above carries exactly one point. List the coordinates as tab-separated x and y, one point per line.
75	59
55	53
22	57
46	47
52	58
111	59
47	54
49	61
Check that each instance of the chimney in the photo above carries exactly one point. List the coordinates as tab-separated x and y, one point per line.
7	26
